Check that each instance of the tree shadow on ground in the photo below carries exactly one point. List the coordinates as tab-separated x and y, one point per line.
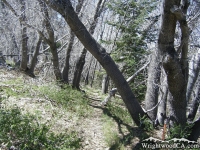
132	138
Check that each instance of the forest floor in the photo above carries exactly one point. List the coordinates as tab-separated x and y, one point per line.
99	128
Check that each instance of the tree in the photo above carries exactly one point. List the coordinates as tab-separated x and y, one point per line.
175	68
65	71
134	25
24	37
81	60
50	40
66	10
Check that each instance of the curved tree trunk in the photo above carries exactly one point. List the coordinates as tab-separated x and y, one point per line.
50	40
66	10
175	69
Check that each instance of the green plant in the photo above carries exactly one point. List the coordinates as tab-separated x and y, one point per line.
134	35
10	62
146	124
180	131
120	113
73	100
16	87
25	132
110	136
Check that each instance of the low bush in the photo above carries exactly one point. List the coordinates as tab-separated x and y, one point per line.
23	131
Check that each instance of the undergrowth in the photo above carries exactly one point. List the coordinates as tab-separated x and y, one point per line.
74	101
23	131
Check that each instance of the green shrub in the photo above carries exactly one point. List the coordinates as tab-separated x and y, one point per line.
146	124
178	131
73	100
25	132
120	113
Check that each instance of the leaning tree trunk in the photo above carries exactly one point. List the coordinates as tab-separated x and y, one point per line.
151	97
36	52
175	69
65	71
81	61
50	40
66	10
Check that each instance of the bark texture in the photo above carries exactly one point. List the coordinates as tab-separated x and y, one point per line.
151	97
174	68
195	103
66	10
105	84
195	131
24	50
36	52
193	76
163	93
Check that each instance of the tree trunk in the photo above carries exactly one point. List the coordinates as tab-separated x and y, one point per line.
161	114
55	61
195	131
93	75
87	74
173	68
50	40
78	70
193	76
105	84
36	52
81	61
65	72
24	57
151	97
195	103
22	20
66	10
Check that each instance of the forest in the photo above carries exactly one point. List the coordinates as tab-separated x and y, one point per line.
99	74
